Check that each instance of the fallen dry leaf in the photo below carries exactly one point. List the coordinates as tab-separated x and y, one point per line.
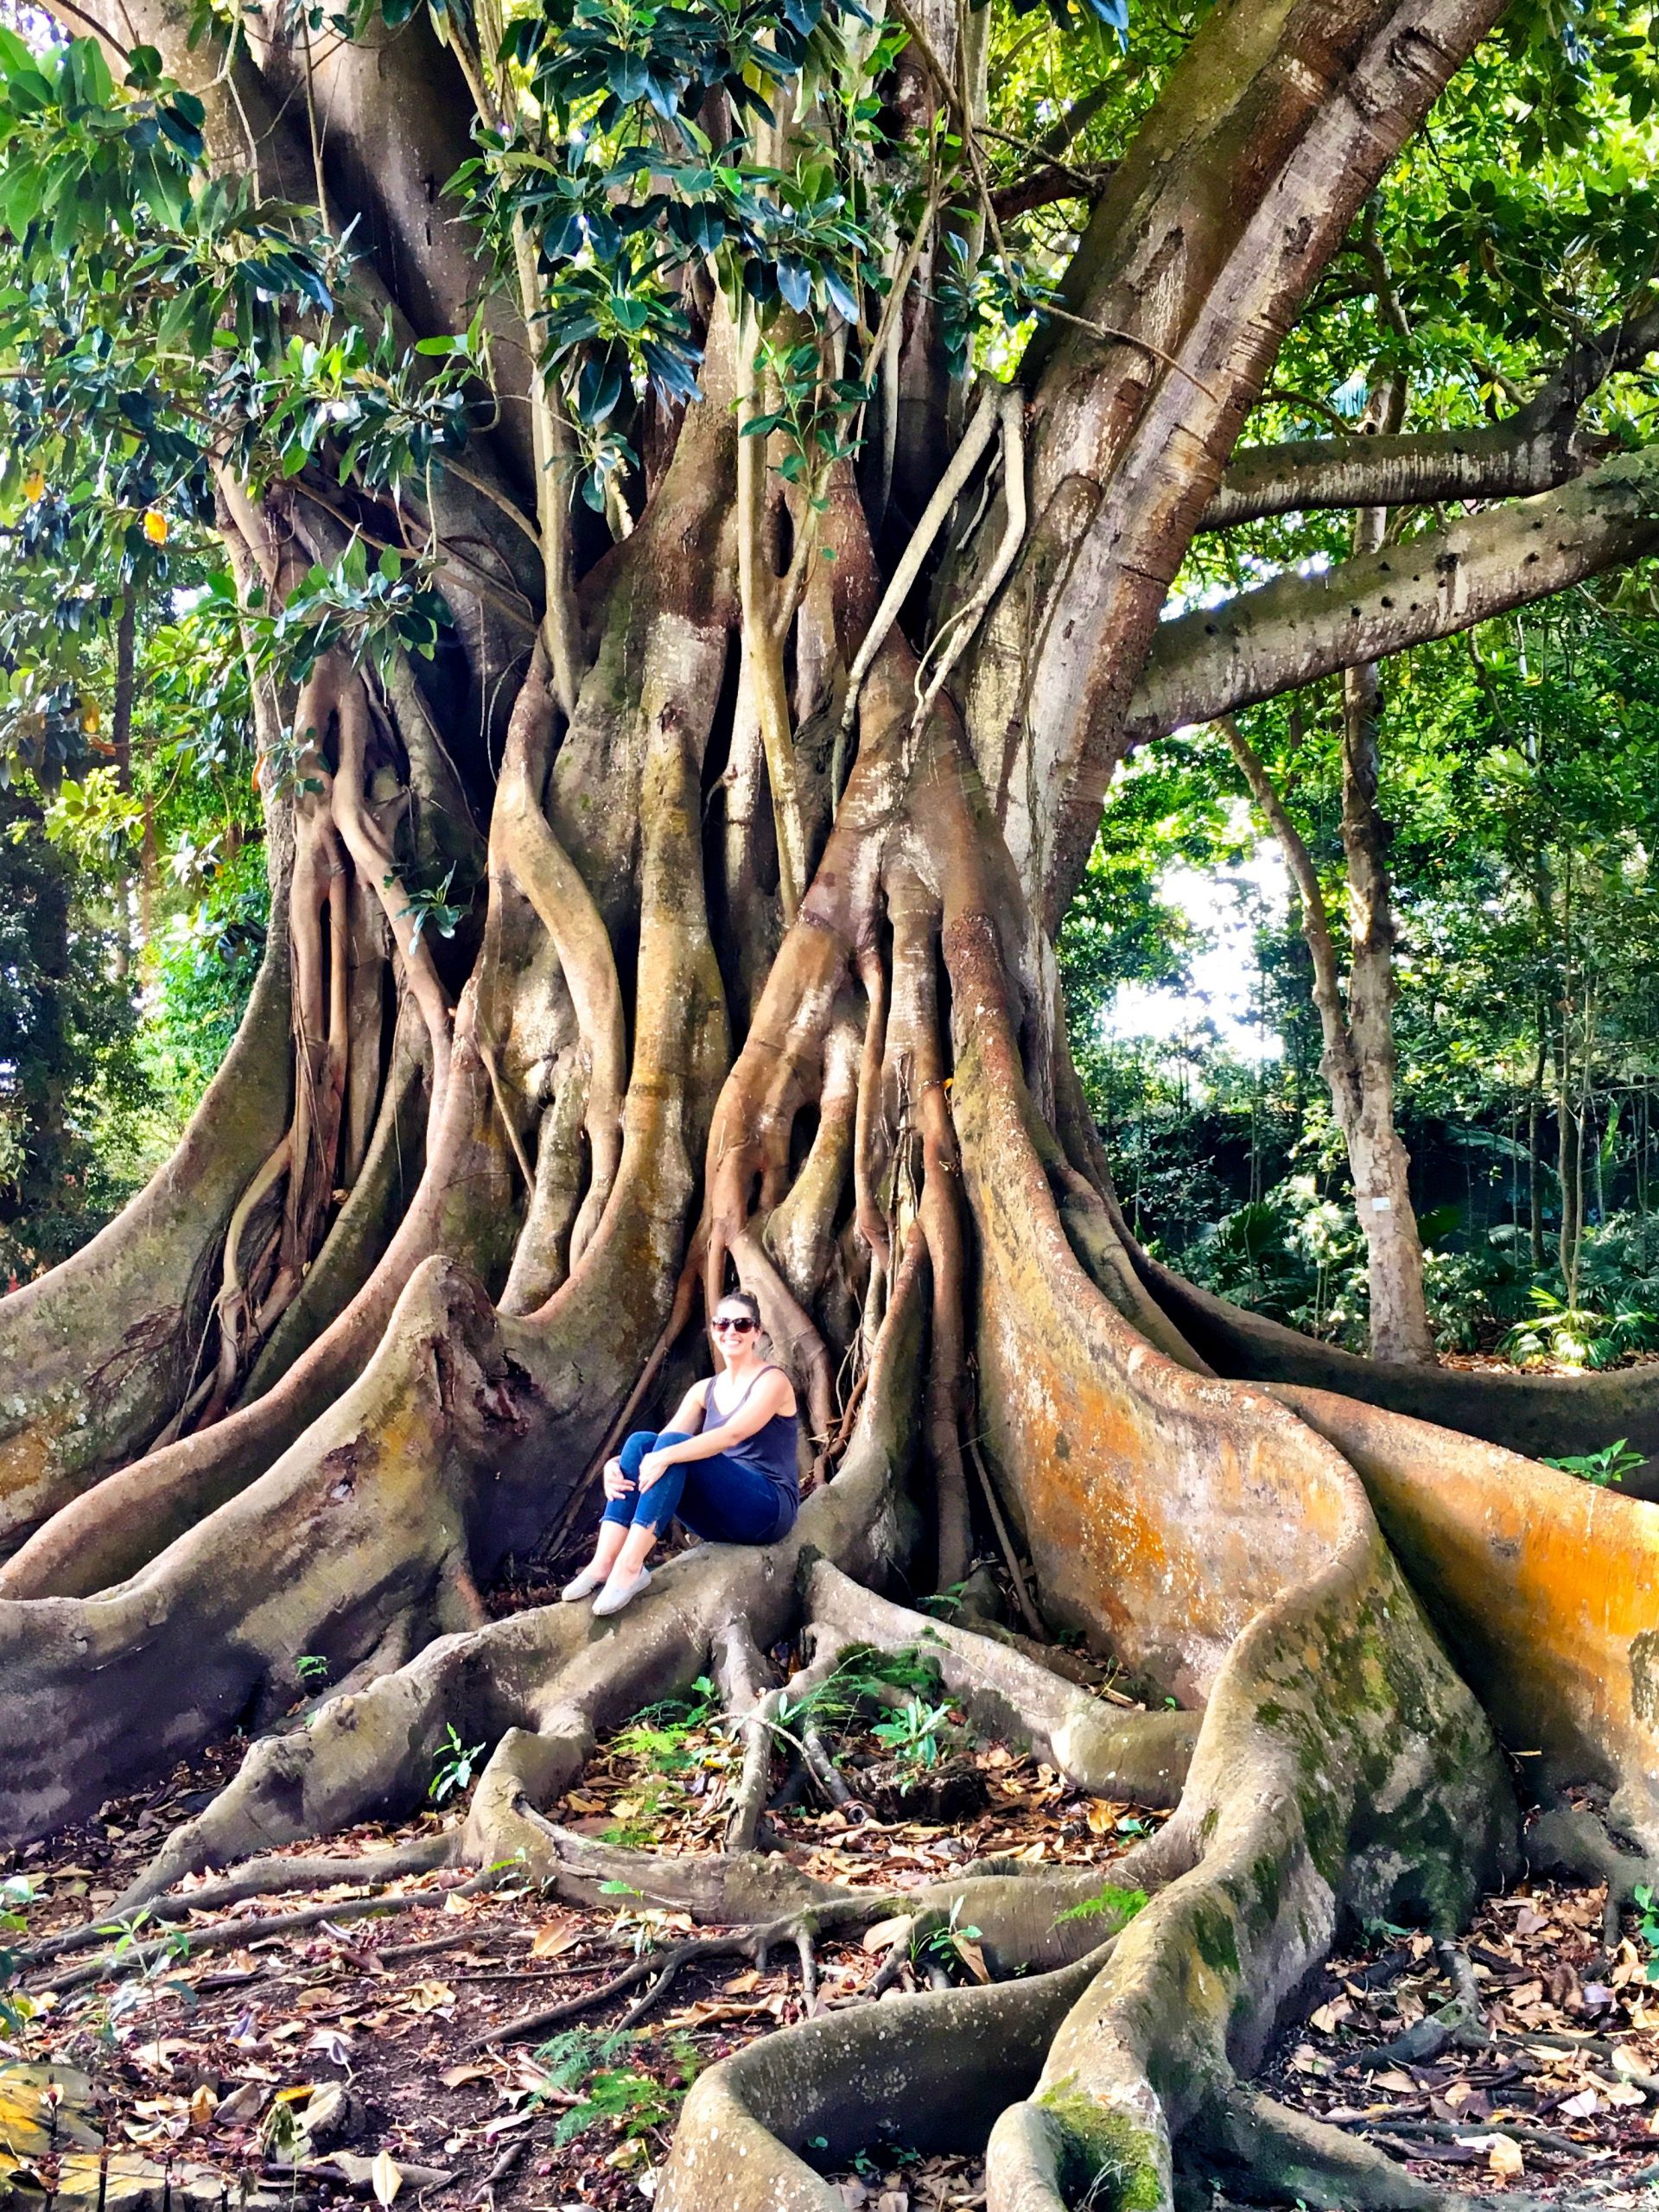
552	1937
972	1957
243	2104
887	1933
426	1996
1504	2156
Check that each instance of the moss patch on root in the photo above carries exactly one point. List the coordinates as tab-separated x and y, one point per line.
1108	2159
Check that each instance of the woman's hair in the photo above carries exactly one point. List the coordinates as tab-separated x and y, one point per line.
746	1298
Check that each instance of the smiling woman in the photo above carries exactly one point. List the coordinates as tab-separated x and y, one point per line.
725	1465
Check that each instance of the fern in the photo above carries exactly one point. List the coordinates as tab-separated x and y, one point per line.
1120	1904
634	2103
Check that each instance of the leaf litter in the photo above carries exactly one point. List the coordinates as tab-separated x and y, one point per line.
343	2060
1549	2089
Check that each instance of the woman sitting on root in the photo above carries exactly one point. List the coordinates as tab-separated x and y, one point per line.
725	1465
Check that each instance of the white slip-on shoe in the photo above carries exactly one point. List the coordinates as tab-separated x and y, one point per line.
615	1594
590	1579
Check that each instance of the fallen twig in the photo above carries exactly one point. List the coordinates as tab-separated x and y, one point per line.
137	1958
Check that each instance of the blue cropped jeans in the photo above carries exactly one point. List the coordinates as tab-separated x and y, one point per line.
721	1499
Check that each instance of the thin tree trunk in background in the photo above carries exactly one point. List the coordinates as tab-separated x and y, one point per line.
121	746
1381	1164
146	872
1569	1137
1375	1156
1569	1168
1639	1155
1400	1328
1534	1139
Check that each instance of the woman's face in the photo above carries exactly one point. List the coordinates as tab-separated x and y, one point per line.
733	1332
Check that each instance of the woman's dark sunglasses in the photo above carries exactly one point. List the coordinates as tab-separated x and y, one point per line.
740	1323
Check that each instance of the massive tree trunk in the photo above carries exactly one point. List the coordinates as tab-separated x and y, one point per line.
716	1020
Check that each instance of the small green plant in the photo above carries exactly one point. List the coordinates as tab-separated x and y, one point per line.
634	2104
16	1895
1647	1927
659	1733
456	1767
912	1734
135	1992
1119	1905
943	1602
312	1669
1381	1932
429	908
1578	1335
1611	1465
661	1739
861	1679
944	1943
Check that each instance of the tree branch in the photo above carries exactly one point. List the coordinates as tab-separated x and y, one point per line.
1041	188
1502	462
1299	628
1536	448
1126	449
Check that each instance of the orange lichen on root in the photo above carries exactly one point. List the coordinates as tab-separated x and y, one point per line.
1547	1588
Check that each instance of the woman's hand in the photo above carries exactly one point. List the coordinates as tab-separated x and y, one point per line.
653	1467
616	1483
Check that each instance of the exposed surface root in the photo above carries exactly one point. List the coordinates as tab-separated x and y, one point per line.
1574	1842
263	1877
1529	1415
1543	1585
105	1343
930	2070
1285	2157
539	1686
1143	1756
142	1957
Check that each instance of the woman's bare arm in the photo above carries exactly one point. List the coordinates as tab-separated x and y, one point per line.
691	1411
771	1395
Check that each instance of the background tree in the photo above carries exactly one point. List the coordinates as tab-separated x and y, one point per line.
673	870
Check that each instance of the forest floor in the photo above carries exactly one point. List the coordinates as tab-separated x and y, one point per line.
349	2059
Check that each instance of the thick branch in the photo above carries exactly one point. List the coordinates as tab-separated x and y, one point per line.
1241	185
1536	448
1507	461
1299	628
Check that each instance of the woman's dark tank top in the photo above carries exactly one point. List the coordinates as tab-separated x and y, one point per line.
771	1451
